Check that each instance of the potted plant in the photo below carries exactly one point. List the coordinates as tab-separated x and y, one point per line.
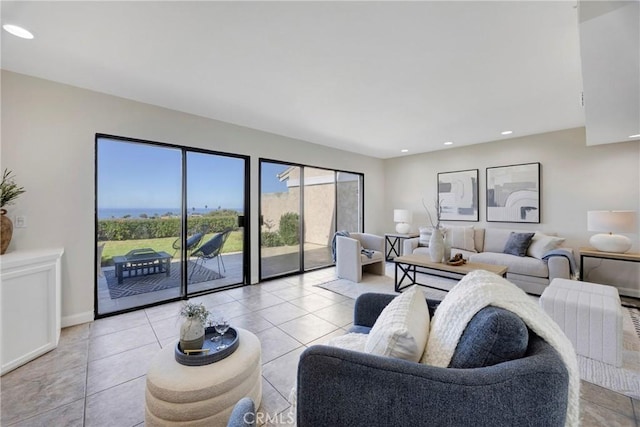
192	329
9	192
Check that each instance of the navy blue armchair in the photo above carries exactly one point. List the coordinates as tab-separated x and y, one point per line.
348	388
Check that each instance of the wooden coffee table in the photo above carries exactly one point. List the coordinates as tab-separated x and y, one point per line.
408	265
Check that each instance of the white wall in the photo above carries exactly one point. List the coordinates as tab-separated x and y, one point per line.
48	132
574	179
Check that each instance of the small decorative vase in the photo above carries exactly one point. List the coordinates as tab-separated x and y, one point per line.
191	334
6	231
436	246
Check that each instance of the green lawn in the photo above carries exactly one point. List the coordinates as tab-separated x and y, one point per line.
121	247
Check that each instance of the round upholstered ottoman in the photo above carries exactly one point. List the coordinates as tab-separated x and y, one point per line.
202	395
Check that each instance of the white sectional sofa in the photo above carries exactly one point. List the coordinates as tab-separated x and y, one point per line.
532	272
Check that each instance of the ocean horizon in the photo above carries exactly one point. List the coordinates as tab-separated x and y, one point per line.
109	213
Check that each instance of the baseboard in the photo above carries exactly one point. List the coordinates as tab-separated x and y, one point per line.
77	319
628	292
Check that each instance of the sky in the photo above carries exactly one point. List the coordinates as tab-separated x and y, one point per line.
270	182
135	175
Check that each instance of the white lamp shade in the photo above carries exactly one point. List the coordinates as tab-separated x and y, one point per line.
401	215
611	222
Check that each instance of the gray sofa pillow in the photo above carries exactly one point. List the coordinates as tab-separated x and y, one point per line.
494	335
518	243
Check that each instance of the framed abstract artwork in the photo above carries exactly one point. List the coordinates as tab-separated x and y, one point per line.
458	195
513	193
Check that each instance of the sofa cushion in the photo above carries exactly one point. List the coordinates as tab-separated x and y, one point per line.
421	250
402	328
494	335
424	251
542	243
465	254
528	266
461	237
495	239
478	237
351	341
518	243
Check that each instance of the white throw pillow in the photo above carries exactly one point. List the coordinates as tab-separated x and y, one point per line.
402	329
425	236
541	244
461	237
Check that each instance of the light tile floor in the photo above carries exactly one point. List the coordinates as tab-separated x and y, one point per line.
96	376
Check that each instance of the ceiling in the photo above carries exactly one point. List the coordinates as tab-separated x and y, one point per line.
367	77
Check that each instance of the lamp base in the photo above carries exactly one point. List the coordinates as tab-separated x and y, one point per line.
610	243
403	228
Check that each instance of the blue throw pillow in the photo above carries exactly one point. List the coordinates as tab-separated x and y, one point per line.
518	243
494	335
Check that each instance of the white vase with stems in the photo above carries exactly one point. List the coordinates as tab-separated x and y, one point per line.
436	242
436	246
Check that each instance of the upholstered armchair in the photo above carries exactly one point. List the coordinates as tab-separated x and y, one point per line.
351	259
336	386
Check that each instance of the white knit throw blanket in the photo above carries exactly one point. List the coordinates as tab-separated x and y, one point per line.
480	289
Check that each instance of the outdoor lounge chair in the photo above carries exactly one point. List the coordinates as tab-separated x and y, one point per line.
211	249
192	242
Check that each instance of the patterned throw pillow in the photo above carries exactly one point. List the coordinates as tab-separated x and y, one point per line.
402	328
518	243
425	236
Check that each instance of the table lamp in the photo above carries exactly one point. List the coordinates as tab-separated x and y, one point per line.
611	222
403	218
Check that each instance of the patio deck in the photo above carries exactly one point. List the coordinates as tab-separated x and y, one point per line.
276	264
232	275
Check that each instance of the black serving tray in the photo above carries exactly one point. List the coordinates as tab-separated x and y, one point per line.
230	338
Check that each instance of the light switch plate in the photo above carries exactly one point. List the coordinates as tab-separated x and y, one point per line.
21	221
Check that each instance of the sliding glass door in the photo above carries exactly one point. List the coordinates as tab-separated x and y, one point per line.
319	216
349	207
168	223
301	207
215	240
138	220
280	206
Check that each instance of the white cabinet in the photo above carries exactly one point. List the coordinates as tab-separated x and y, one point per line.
30	304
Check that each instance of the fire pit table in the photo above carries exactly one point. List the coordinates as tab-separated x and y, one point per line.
140	262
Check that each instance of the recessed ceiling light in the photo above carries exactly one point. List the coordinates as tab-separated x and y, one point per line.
448	143
404	150
506	132
637	135
17	31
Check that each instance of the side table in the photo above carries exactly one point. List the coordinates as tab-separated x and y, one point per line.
594	253
393	244
202	396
